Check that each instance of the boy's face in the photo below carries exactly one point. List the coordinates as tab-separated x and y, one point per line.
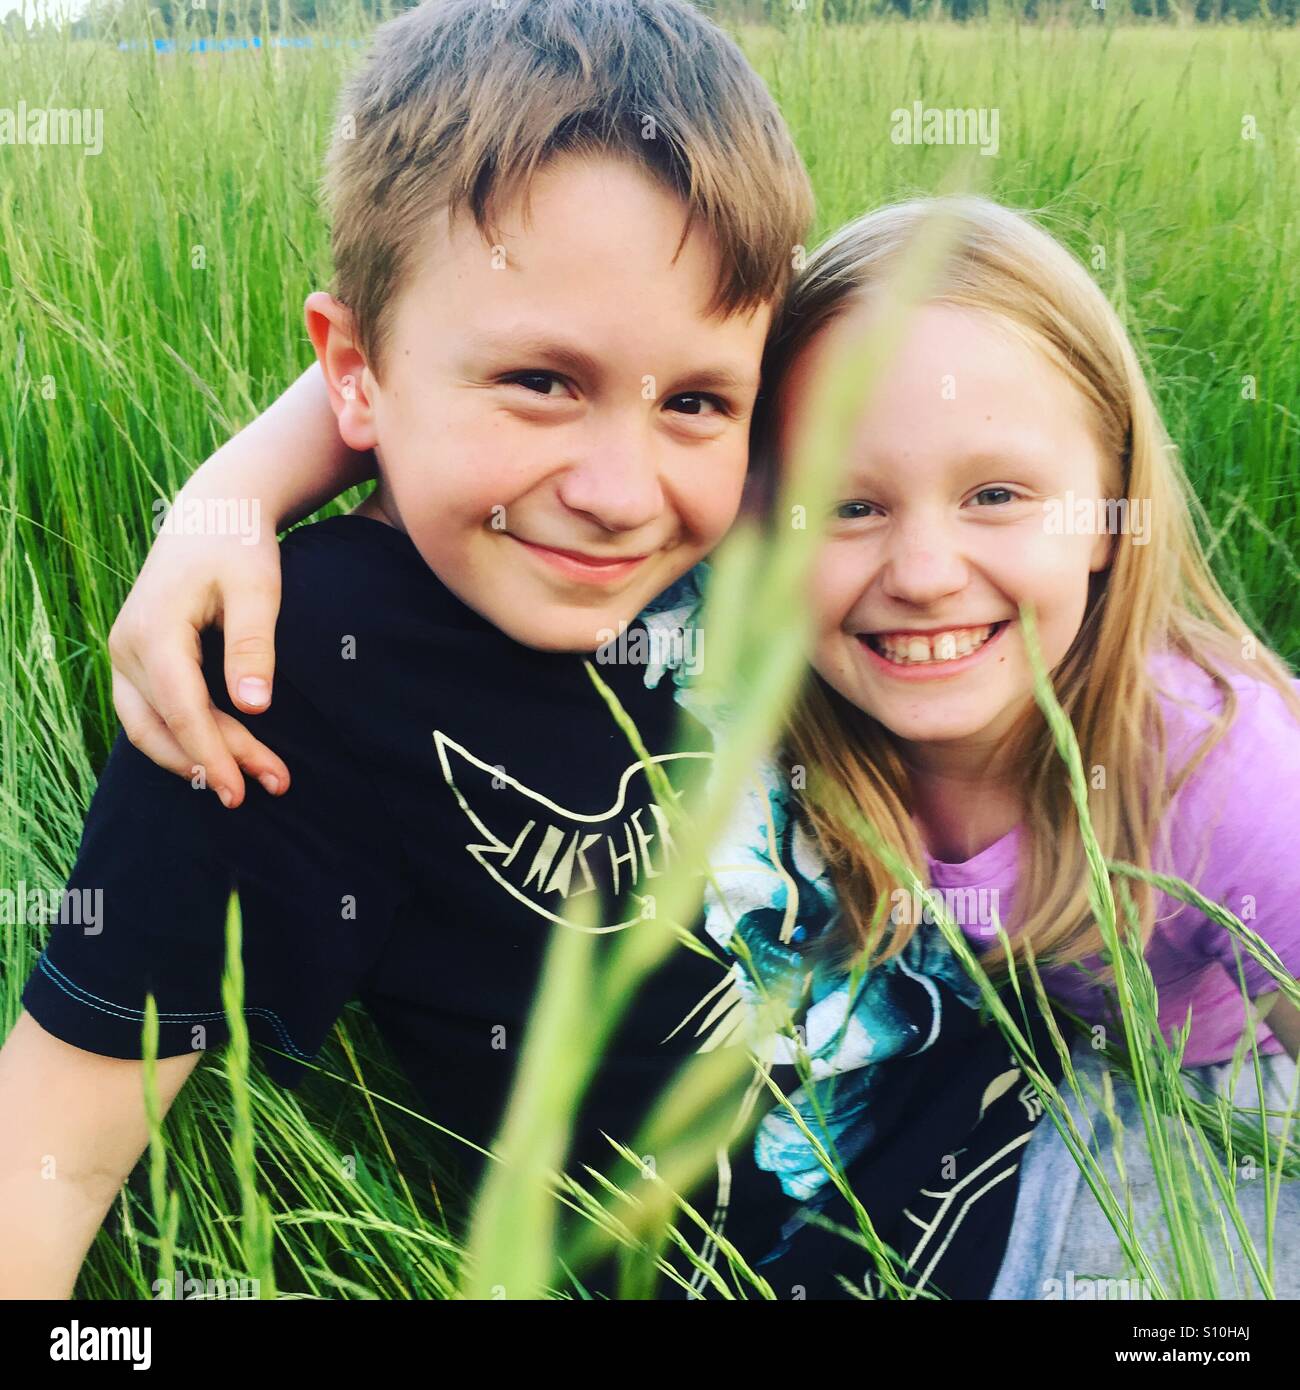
561	431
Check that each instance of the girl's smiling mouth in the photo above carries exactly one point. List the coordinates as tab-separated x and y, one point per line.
937	652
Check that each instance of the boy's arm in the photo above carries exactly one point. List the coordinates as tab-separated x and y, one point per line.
319	873
72	1127
289	461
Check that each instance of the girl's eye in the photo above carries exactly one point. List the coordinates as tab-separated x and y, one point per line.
854	511
696	399
999	496
532	381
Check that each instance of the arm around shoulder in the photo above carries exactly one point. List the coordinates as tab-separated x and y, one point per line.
283	465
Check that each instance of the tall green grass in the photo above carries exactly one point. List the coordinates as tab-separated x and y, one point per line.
150	303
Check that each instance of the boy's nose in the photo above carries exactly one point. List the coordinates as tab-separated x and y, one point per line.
616	484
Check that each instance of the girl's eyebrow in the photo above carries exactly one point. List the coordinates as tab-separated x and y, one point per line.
1010	456
997	460
874	472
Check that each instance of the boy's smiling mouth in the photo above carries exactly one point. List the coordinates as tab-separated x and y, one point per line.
578	564
930	652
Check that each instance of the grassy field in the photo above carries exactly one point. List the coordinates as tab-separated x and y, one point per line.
150	304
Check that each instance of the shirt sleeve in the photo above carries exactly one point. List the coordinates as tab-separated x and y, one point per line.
1236	837
318	871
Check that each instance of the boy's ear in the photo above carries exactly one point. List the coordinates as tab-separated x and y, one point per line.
351	386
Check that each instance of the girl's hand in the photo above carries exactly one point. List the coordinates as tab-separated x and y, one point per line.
188	583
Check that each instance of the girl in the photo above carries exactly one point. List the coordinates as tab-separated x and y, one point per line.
1013	454
988	472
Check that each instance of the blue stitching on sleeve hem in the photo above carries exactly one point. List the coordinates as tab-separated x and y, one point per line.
124	1011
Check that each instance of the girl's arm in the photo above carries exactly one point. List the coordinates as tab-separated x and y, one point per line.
283	466
1283	1019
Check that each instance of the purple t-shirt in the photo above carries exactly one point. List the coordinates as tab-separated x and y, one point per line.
1234	835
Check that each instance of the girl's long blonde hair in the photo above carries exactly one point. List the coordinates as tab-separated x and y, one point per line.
1157	596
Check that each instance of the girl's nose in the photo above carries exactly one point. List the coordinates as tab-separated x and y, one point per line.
922	564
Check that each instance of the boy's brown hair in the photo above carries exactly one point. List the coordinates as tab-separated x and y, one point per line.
460	103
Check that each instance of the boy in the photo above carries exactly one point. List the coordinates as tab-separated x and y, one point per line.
457	777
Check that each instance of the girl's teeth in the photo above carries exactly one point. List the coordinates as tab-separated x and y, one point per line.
914	649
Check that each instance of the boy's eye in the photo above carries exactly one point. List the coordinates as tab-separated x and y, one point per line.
537	382
695	401
997	496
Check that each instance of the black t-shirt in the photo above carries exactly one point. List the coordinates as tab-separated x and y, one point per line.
452	791
940	1183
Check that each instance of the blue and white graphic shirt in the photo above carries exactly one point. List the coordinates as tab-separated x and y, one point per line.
770	895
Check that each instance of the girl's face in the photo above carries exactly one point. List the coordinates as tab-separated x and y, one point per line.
941	531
